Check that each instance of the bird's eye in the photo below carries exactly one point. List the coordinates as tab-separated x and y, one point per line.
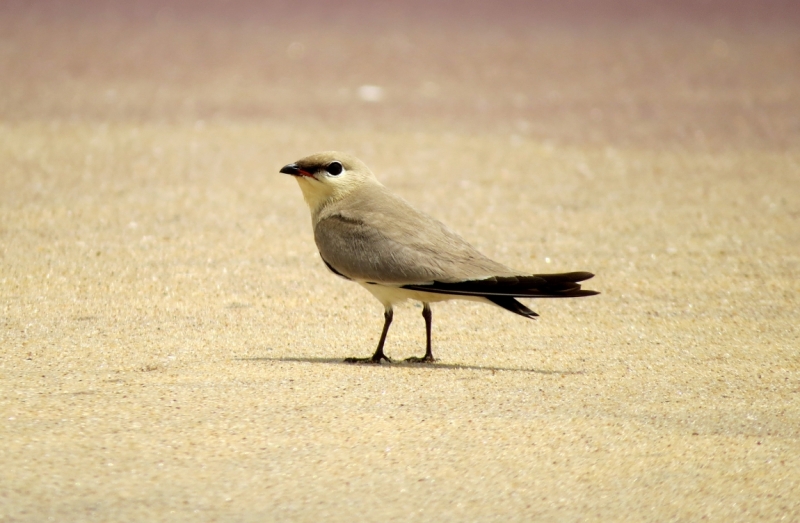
334	168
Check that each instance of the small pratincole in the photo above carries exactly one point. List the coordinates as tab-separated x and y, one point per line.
367	235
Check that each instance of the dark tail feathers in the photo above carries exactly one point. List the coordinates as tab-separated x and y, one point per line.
501	290
510	304
563	285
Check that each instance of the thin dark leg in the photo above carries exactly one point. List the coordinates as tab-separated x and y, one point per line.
379	355
387	321
428	315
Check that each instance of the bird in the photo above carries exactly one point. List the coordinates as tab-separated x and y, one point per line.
368	235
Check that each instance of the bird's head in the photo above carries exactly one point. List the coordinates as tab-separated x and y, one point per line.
328	176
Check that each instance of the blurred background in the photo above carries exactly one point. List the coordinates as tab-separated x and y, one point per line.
716	73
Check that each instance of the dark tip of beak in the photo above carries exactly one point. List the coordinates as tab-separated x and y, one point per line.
292	169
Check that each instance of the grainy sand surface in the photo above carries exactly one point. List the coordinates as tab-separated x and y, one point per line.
172	343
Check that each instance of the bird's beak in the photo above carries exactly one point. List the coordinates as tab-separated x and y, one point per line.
294	170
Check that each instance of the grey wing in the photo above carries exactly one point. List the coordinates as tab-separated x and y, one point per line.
399	249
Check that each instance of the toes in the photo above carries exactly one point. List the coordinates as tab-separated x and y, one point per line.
358	360
424	359
367	361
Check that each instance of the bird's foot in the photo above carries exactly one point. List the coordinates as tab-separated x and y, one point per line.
372	360
425	359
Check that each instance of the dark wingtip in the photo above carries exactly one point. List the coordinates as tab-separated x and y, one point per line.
566	277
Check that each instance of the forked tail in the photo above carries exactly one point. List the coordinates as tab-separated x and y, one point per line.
502	290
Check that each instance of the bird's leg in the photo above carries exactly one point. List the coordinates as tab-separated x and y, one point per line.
387	321
379	355
426	313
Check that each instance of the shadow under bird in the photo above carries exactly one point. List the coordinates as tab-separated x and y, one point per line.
367	235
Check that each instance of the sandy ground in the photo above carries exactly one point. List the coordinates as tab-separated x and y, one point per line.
172	343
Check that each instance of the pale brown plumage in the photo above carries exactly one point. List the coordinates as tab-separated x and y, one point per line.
366	234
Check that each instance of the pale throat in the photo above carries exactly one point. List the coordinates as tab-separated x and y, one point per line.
314	193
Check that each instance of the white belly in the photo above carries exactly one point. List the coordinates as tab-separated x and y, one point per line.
390	295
